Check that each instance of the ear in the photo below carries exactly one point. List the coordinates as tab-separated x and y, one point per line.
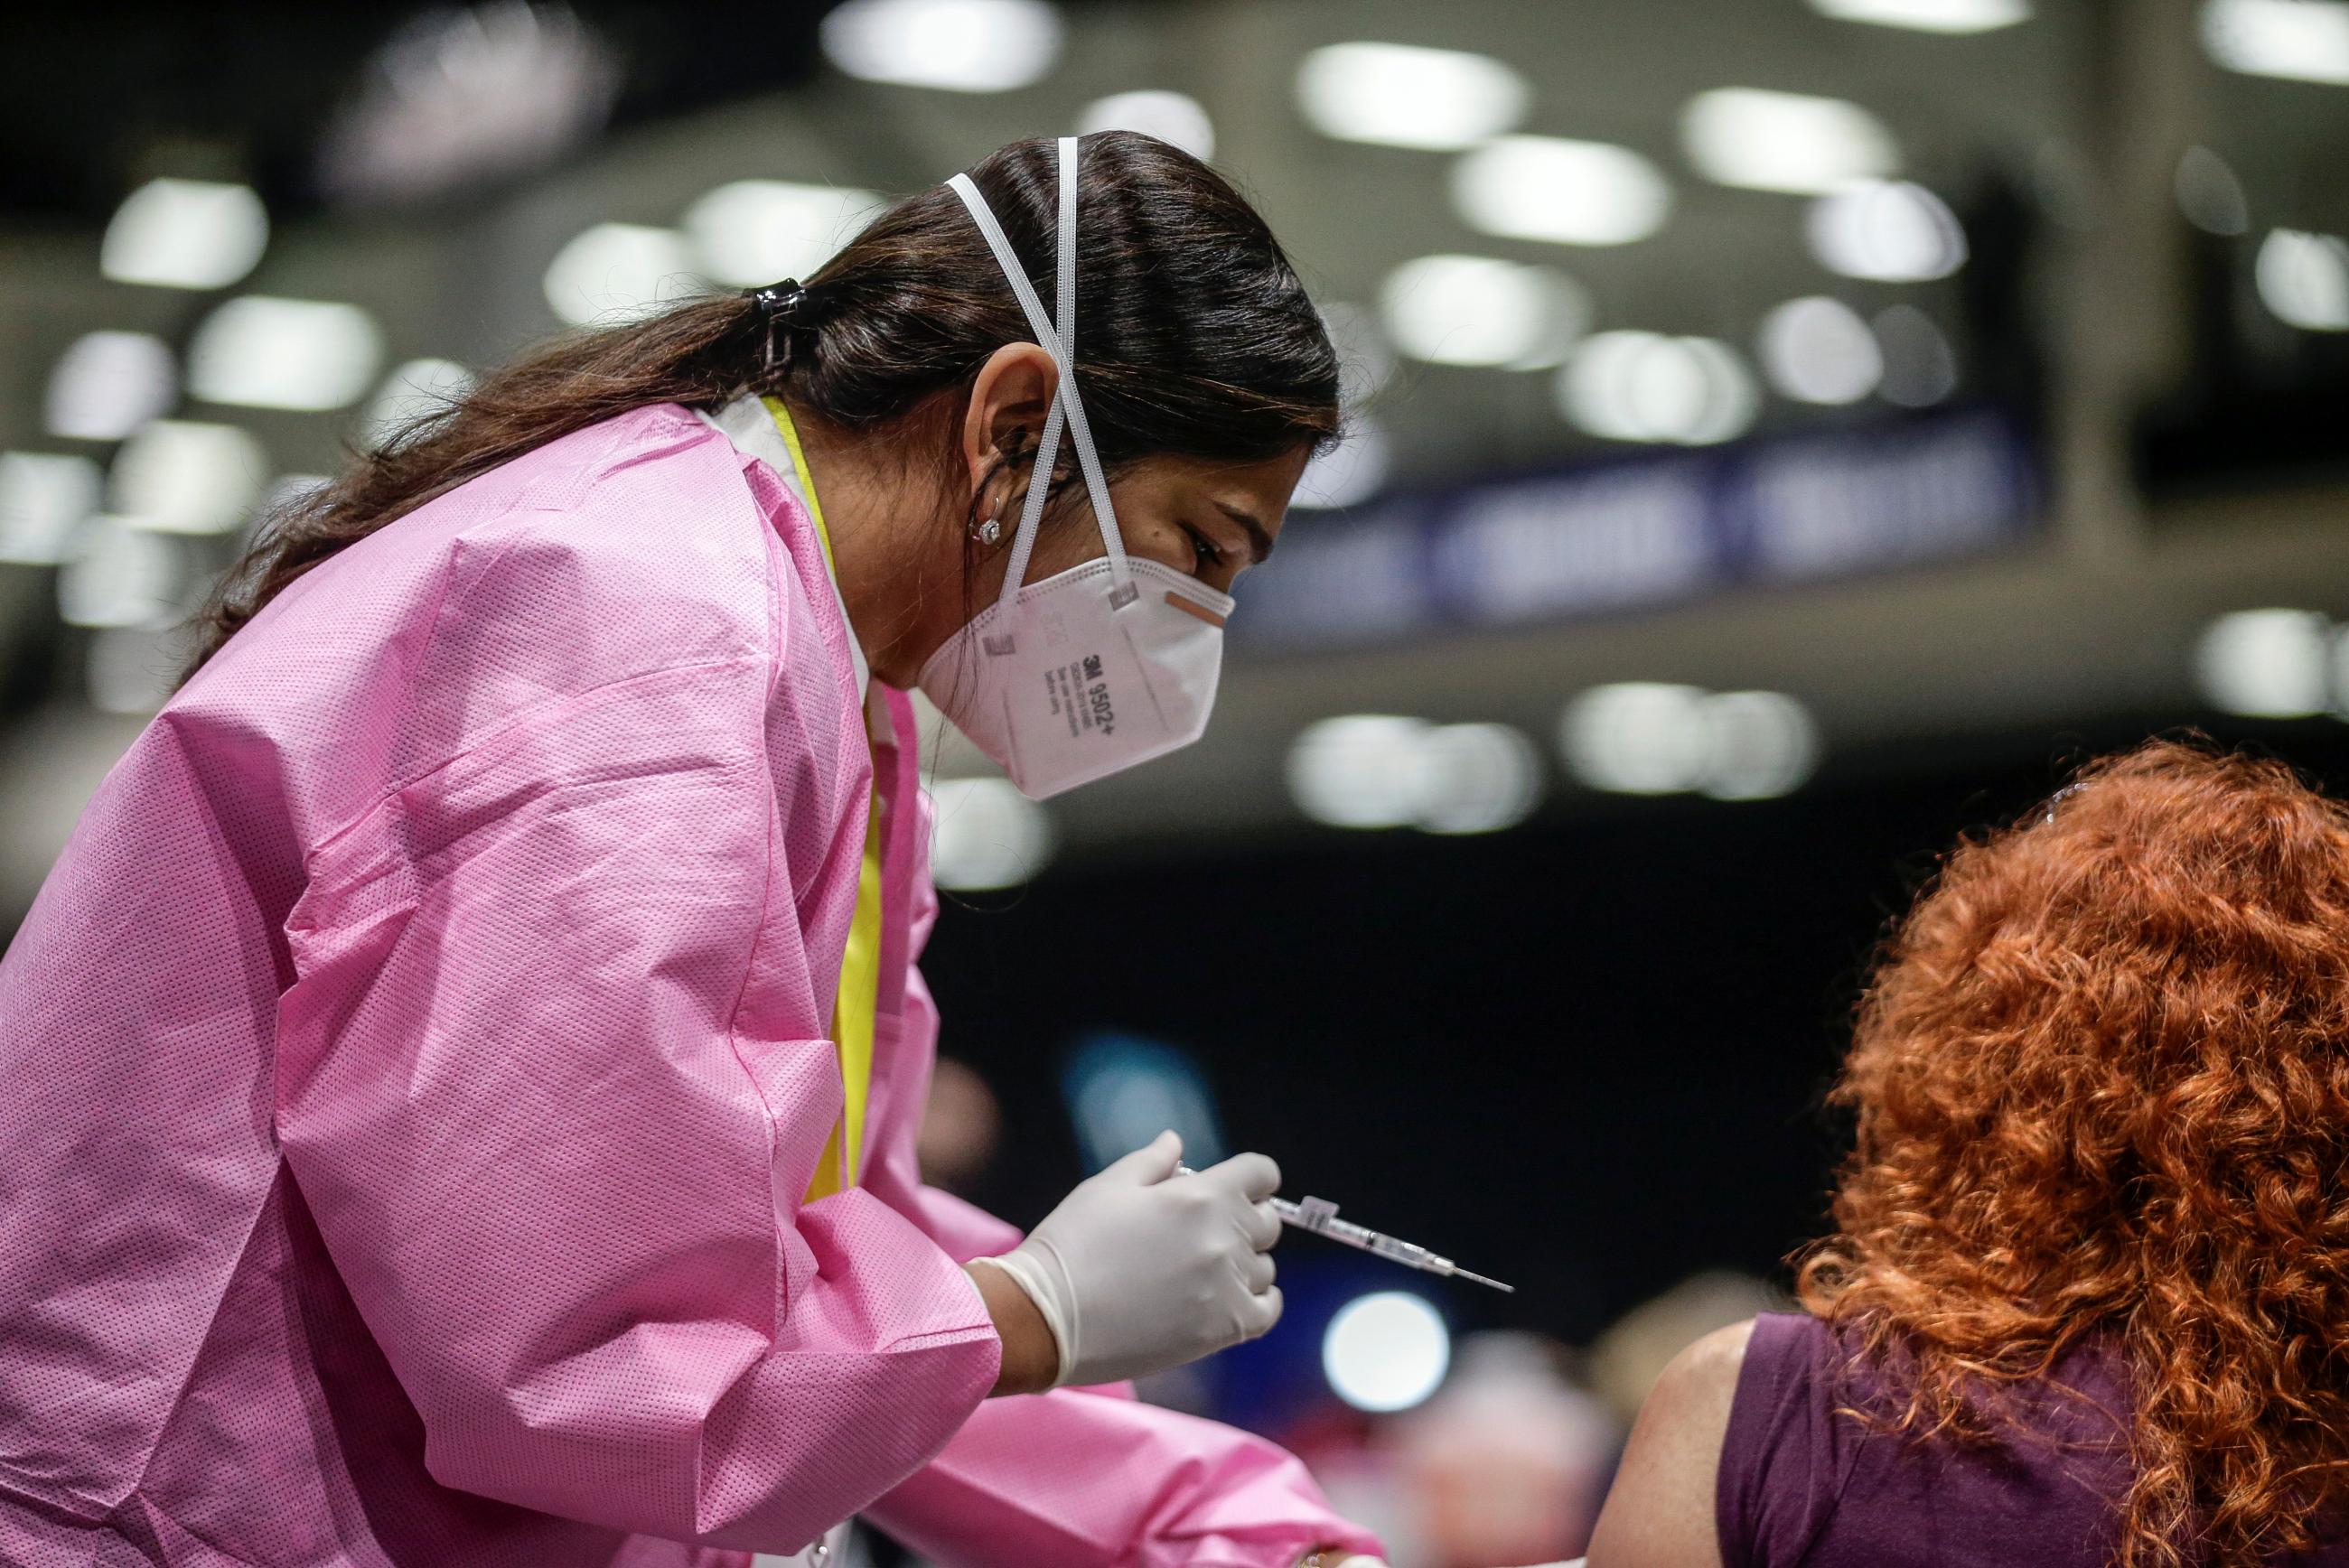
1011	393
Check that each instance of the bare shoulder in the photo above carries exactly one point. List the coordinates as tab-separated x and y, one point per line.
1659	1513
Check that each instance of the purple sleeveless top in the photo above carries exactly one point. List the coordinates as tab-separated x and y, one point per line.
1803	1487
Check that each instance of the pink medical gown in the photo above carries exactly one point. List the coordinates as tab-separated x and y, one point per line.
410	1072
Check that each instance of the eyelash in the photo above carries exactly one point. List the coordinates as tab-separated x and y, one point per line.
1203	550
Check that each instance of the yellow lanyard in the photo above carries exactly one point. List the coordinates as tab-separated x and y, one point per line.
858	998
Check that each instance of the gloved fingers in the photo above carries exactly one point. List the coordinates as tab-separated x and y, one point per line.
1261	1223
1257	1271
1260	1312
1152	1164
1253	1176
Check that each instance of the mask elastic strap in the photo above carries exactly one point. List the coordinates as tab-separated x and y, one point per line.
1067	403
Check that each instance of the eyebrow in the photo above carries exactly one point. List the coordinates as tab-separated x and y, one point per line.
1260	541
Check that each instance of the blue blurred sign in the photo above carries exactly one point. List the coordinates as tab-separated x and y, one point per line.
1647	530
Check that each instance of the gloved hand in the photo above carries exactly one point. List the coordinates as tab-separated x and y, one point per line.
1137	1272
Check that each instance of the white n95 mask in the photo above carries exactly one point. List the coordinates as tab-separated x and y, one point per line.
1103	666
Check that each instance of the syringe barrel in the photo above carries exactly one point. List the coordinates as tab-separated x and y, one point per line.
1321	1216
1408	1253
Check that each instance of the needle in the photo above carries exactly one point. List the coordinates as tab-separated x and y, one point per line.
1459	1272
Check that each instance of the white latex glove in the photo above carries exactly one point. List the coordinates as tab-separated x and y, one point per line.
1135	1272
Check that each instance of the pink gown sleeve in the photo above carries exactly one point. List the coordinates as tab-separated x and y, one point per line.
553	1079
1079	1478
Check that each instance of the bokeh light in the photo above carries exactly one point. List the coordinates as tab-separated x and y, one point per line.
1566	192
1386	1351
1483	311
1886	231
614	272
1921	368
2300	40
986	834
1632	385
2303	279
185	234
264	353
44	497
111	383
1767	140
750	232
413	390
1173	117
2266	664
1951	16
954	45
1819	350
186	476
1401	95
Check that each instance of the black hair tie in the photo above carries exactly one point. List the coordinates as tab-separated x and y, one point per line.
789	302
790	305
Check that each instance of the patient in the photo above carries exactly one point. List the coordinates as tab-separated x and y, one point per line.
2088	1298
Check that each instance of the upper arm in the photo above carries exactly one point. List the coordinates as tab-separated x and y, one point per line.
1659	1513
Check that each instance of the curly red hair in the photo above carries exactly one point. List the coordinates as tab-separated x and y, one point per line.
2101	1082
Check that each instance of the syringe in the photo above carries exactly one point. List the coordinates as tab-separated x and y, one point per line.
1319	1216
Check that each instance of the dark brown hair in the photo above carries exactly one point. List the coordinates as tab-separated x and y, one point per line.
1195	337
2102	1078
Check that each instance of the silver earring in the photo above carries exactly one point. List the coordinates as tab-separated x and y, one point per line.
991	531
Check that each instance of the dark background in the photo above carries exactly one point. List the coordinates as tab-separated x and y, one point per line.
1588	1057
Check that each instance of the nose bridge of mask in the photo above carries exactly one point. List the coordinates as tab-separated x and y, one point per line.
1067	408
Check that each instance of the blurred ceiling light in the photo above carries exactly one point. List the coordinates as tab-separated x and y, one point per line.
111	383
132	669
1886	231
414	389
618	271
1761	745
756	231
1355	771
1386	1351
1765	140
1473	779
185	234
178	476
959	45
1381	770
2303	279
1921	368
1929	15
2209	195
1123	1091
43	497
460	96
119	576
1347	473
1400	95
262	353
2302	40
2266	664
1566	192
1636	738
1646	738
1480	309
1175	118
986	834
1817	350
1645	386
1365	363
285	490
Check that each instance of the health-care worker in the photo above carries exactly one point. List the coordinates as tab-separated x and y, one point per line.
457	1088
